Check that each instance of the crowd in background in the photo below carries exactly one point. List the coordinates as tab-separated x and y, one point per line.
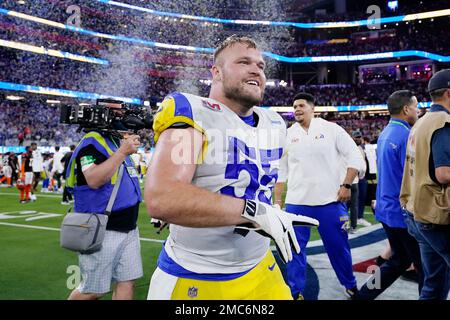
22	122
151	73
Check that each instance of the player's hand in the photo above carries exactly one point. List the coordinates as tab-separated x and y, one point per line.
344	194
277	224
129	144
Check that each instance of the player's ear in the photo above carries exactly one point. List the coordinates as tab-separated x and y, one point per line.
216	73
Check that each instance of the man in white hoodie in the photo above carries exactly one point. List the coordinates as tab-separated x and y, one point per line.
320	163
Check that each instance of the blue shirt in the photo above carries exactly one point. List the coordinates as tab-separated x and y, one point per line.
391	154
440	145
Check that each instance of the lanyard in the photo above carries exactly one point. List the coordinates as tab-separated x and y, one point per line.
399	123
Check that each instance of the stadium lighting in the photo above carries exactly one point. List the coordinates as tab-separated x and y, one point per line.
63	93
49	101
14	98
270	83
359	57
341	24
283	83
50	52
393	5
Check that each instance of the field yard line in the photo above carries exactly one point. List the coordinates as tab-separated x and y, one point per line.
28	226
57	229
38	195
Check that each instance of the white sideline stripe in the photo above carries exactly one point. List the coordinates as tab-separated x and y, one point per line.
28	226
37	195
361	232
57	229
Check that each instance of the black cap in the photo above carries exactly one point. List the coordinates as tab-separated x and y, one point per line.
356	134
440	80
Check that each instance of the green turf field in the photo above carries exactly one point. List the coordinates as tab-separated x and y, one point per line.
32	264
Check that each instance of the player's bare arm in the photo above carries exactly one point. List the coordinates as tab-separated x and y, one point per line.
279	188
169	194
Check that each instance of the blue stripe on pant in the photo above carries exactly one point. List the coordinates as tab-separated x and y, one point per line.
332	218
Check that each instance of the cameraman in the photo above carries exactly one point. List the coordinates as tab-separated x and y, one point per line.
92	172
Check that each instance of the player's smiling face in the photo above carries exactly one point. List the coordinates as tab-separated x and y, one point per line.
243	77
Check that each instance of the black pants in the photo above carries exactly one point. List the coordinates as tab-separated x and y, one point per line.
353	205
67	196
57	176
14	177
405	250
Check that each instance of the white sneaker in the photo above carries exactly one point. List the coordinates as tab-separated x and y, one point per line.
65	203
33	197
364	222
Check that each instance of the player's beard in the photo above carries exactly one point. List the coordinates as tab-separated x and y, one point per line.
238	93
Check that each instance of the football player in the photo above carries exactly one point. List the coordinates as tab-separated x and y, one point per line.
213	170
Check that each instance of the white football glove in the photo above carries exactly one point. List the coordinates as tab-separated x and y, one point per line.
271	221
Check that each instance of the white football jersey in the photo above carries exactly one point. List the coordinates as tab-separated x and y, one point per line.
37	161
237	160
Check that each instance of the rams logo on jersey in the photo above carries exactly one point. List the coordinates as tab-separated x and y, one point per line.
212	106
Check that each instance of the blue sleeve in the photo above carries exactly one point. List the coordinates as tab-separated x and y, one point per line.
402	151
440	147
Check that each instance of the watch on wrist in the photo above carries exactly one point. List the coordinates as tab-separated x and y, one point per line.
346	186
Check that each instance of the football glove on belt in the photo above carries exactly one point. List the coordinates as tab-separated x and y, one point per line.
272	222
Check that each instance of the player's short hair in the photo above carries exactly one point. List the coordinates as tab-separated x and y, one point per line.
231	41
305	96
398	100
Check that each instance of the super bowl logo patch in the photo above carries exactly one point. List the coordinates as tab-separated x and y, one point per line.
212	106
192	292
319	136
